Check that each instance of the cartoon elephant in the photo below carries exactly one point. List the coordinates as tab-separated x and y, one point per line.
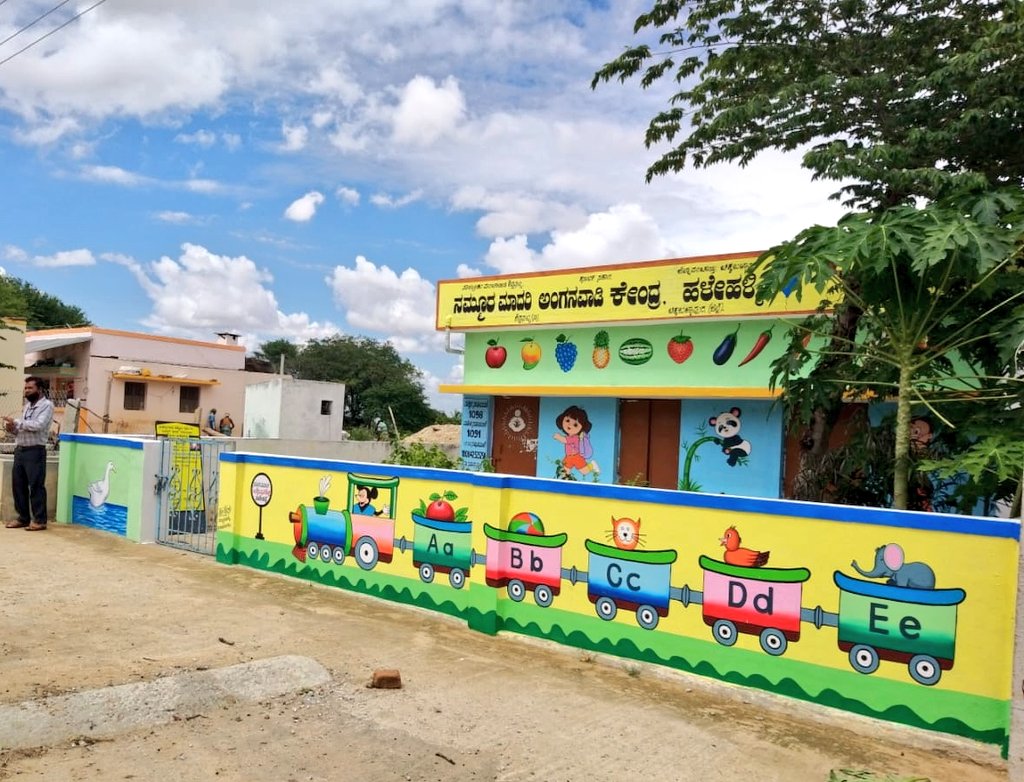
889	562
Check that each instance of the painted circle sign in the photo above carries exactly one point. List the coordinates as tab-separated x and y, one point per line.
261	489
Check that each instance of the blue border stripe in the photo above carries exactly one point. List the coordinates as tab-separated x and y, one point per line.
937	522
93	439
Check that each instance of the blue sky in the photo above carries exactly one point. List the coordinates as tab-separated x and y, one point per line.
295	170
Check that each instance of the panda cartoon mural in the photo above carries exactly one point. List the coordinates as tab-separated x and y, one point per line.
727	426
731	447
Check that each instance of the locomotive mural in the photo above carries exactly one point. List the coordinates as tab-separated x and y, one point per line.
640	574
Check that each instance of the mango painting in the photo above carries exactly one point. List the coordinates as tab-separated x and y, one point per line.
897	615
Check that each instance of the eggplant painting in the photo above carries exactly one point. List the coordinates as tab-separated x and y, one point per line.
724	351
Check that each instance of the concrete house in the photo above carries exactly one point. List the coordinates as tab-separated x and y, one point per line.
126	381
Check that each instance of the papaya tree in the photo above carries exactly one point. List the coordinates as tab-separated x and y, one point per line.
939	292
903	103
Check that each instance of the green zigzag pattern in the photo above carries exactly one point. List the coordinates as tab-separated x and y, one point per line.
491	622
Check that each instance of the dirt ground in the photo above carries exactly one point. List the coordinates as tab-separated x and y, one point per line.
82	609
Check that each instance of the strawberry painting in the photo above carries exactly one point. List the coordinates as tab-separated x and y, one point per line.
680	348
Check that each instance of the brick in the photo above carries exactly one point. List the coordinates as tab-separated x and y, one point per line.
386	679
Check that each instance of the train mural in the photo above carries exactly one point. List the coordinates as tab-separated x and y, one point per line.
871	611
913	623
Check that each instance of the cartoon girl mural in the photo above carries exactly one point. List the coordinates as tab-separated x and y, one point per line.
574	432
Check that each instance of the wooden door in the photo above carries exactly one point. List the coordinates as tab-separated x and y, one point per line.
649	442
514	440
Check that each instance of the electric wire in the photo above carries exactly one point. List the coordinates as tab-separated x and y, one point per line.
51	32
34	21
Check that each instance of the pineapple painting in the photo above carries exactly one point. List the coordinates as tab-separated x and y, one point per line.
601	355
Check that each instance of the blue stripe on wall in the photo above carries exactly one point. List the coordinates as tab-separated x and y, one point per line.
971	525
92	439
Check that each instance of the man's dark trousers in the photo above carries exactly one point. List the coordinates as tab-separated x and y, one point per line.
29	481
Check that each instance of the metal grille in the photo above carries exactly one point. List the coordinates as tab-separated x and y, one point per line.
187	489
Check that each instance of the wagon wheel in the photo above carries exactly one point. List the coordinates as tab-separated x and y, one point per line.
366	552
312	551
924	669
606	608
543	595
647	617
426	572
864	659
326	553
773	641
516	590
457	577
339	555
724	632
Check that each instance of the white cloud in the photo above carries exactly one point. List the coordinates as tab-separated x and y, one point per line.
347	196
14	253
426	111
303	209
49	131
200	293
376	299
201	138
231	140
624	232
385	201
113	174
65	258
206	186
295	137
175	218
464	270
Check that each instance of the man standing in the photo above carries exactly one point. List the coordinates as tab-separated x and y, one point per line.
211	419
31	432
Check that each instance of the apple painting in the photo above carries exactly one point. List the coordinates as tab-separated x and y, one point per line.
495	355
440	508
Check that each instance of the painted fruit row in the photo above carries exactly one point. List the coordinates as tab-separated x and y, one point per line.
634	351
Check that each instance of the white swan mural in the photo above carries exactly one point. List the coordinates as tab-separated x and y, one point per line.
98	490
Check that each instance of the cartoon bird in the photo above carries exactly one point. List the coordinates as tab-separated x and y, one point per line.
745	557
98	490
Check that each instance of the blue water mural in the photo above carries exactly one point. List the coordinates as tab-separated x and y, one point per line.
107	517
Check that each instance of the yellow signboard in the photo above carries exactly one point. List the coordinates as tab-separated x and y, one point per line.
708	287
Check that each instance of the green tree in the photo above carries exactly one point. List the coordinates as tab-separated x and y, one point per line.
378	382
902	103
940	295
272	352
875	92
40	310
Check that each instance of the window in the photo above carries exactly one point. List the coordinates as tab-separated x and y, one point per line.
325	407
134	396
189	400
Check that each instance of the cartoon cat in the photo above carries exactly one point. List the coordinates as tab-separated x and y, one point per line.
625	533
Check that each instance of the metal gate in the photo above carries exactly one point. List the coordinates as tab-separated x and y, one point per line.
187	489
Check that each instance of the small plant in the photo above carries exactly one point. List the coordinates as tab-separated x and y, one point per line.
636	480
633	671
418	455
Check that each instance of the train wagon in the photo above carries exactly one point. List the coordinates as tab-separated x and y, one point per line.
759	601
521	562
443	547
900	624
332	534
634	580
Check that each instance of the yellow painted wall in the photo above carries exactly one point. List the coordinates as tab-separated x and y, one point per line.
970	557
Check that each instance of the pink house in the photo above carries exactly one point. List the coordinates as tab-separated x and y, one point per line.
127	381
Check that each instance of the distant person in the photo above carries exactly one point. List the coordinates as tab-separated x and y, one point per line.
211	419
227	426
28	478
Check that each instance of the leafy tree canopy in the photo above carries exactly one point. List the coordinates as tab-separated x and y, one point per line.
272	351
19	299
378	382
939	296
896	98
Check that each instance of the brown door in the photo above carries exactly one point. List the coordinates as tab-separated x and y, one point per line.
514	444
649	442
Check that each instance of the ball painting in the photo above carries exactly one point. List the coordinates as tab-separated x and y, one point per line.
526	524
